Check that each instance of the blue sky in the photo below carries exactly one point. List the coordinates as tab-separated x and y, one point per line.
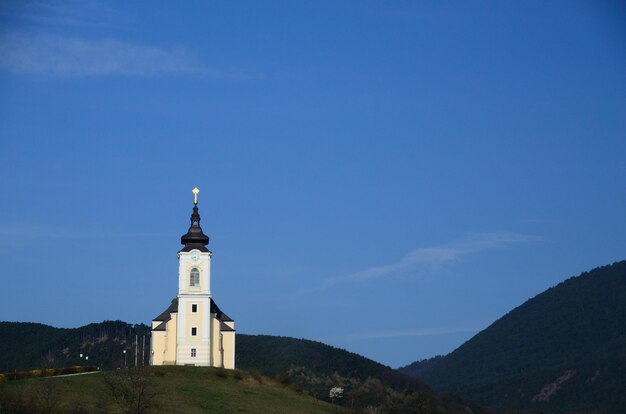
386	177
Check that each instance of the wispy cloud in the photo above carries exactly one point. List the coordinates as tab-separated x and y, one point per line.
85	13
435	256
43	51
52	55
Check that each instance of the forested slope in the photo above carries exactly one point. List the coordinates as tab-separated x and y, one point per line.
561	351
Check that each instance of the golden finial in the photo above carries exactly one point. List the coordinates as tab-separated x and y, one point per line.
195	192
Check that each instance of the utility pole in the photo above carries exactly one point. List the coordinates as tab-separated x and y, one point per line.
136	340
143	352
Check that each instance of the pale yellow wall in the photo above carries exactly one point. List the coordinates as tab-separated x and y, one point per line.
216	355
170	341
228	340
222	345
164	342
194	319
158	345
187	320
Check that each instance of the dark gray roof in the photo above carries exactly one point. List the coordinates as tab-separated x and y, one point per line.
195	237
165	316
173	308
225	328
218	312
161	326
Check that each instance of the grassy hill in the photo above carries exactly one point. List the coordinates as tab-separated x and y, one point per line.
307	366
186	390
561	351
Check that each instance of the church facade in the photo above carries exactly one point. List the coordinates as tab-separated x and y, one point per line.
193	330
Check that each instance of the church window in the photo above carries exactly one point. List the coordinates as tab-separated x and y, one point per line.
194	308
194	331
194	279
193	352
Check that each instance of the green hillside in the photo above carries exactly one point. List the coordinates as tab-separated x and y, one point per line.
317	367
185	390
276	355
306	366
562	351
26	345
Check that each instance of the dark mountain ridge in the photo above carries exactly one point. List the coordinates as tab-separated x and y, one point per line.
562	351
28	345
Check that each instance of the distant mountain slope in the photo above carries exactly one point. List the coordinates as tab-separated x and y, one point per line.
317	367
562	351
274	355
25	345
417	368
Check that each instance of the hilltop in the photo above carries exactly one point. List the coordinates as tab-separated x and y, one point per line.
307	366
562	351
170	389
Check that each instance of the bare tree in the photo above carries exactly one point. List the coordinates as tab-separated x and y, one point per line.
132	390
48	394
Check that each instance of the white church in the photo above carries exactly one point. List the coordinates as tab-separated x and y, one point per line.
193	330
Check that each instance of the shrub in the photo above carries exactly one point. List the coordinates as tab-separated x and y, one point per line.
336	393
238	375
3	378
89	368
20	375
47	396
133	390
48	372
221	373
283	378
70	370
257	376
17	399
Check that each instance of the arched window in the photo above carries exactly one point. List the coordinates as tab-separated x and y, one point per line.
194	277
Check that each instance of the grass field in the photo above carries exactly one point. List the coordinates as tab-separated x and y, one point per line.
185	390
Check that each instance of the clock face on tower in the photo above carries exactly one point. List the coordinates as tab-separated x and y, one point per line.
195	256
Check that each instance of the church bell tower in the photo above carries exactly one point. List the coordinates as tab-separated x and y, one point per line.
194	294
193	330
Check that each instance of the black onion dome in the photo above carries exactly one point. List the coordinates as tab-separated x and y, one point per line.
195	238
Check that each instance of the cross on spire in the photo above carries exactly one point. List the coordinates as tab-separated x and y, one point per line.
195	192
195	238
